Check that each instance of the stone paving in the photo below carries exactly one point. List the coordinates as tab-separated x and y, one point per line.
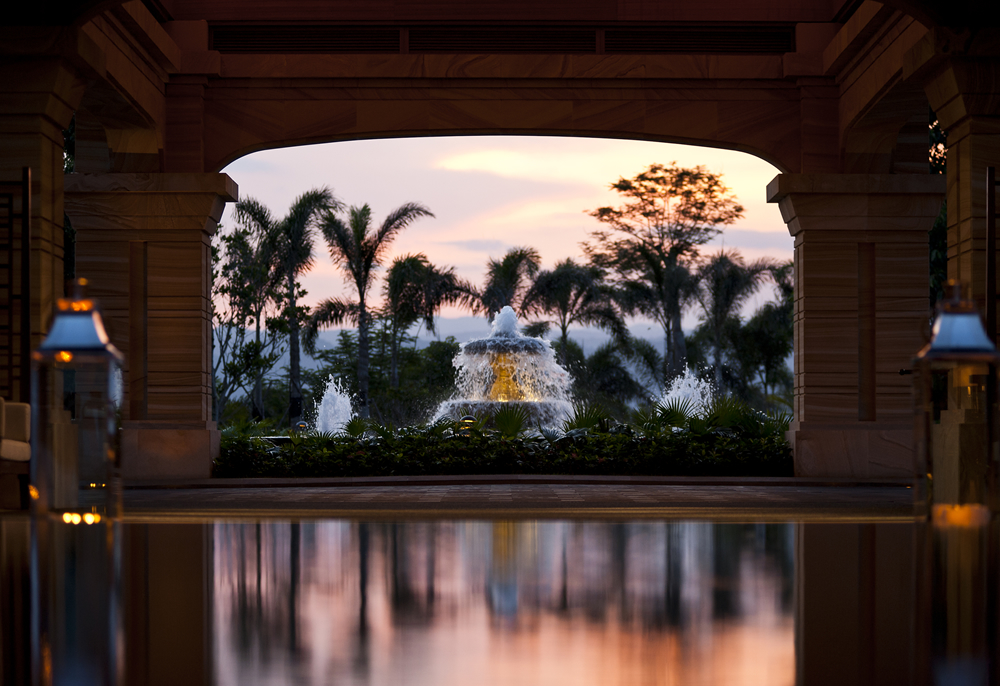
756	502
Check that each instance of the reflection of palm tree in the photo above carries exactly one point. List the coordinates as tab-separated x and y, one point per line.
726	282
415	290
575	294
292	243
293	591
358	249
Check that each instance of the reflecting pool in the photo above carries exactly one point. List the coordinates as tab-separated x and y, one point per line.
498	602
503	603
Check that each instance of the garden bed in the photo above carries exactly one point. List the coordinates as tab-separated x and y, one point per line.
452	450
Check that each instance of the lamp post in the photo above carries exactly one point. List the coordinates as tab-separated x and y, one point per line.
956	469
77	633
956	390
76	376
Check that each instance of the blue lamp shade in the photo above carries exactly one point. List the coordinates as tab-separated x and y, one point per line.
956	391
76	380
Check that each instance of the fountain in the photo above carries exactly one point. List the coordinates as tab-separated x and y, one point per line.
335	409
690	388
508	368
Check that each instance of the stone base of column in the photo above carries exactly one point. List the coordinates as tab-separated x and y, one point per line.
881	450
168	450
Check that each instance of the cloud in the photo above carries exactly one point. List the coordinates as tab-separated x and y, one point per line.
479	245
493	192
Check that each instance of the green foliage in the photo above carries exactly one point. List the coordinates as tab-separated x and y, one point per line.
451	448
426	376
602	378
590	416
356	427
510	420
675	412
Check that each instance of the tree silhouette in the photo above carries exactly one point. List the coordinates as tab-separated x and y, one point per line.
359	249
652	239
575	294
244	299
290	248
507	279
415	290
725	284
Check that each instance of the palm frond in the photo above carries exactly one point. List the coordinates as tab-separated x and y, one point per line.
590	416
675	412
510	420
330	312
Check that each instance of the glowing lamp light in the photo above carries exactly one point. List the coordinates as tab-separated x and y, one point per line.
74	414
956	392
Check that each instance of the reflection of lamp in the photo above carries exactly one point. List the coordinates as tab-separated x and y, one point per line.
956	392
75	456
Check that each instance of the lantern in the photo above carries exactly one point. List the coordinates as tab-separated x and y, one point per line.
76	381
957	449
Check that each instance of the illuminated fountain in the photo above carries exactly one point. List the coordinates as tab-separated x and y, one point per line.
508	368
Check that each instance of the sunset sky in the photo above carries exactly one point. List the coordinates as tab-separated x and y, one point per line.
491	193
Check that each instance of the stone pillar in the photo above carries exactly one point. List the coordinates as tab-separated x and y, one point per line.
861	313
37	99
965	94
151	234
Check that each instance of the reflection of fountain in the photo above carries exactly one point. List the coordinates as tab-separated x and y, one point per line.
335	410
508	368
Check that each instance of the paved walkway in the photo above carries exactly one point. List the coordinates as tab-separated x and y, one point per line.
723	501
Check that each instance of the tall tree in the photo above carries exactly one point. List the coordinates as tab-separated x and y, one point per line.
415	290
725	284
652	239
244	301
575	294
507	280
291	239
359	249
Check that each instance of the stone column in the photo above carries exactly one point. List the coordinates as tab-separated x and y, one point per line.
150	234
38	93
965	94
861	313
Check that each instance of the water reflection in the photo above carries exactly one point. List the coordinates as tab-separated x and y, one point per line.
452	602
503	602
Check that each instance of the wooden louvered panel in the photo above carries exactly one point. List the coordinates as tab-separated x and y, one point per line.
502	40
451	39
305	39
696	40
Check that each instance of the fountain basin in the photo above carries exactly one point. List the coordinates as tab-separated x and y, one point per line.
507	367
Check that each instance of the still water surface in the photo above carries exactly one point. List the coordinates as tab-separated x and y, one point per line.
459	602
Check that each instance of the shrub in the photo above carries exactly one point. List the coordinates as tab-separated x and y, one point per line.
719	443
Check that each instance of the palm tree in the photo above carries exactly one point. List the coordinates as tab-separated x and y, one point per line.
358	249
506	281
725	283
575	294
291	249
660	287
415	290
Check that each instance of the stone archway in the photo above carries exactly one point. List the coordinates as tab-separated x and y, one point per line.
823	93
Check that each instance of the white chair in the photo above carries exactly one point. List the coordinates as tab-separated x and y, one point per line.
15	453
15	431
